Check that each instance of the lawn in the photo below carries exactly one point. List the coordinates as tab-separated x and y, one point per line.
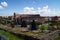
9	35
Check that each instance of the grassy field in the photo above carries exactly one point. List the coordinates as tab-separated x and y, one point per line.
9	35
57	38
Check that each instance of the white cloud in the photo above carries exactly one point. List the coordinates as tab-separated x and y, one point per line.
1	7
44	11
29	10
4	4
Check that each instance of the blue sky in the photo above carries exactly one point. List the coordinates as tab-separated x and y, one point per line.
42	7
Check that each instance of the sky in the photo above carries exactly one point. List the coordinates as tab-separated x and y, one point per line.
42	7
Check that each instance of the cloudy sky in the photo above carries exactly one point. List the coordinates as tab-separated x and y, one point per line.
42	7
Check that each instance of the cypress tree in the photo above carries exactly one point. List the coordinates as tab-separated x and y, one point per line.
33	25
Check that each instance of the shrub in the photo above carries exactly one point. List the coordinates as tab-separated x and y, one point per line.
23	24
12	24
43	27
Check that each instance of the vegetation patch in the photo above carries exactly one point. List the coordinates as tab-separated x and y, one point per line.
32	34
9	35
57	38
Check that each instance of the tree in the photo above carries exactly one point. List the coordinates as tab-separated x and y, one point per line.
12	24
23	23
33	25
54	24
43	27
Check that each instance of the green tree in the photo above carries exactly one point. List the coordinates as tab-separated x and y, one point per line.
55	23
33	25
23	24
43	27
12	24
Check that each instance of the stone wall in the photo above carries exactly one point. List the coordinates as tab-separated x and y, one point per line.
50	36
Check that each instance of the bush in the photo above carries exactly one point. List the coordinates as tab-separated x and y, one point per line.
38	23
43	27
12	24
23	24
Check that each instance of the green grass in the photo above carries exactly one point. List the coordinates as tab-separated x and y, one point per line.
32	34
9	35
57	38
